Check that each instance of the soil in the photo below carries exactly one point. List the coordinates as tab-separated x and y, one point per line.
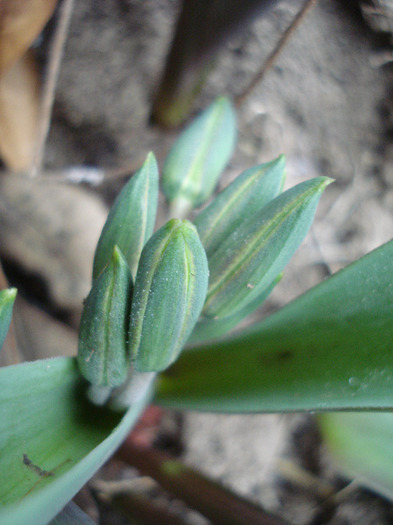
326	104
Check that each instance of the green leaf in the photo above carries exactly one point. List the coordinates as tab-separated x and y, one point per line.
7	298
170	290
199	156
361	444
244	197
52	439
255	253
103	356
131	219
329	349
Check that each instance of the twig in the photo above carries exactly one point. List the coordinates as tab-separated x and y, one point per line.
218	504
258	77
55	56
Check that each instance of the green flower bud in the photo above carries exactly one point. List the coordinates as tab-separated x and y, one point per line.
211	328
130	222
102	355
199	156
246	195
256	252
7	298
170	290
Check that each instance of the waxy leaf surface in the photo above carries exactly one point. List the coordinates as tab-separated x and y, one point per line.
330	349
52	439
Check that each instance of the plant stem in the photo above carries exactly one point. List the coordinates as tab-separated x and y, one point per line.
271	59
218	504
202	28
145	510
55	56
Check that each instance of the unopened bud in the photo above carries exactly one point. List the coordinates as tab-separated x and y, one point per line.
131	219
199	156
244	197
256	252
169	294
102	355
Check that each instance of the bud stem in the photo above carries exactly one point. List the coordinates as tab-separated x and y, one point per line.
180	208
133	389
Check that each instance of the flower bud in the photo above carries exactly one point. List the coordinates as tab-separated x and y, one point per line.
102	355
199	156
256	252
211	328
131	219
169	293
246	195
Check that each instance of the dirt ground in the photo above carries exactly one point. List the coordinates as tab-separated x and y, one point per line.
326	104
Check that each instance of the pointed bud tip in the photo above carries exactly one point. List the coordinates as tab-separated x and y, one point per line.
325	181
9	293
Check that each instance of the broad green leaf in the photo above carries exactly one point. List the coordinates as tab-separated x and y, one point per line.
72	515
52	439
170	290
361	444
245	196
131	219
199	156
7	298
103	356
255	253
329	349
208	328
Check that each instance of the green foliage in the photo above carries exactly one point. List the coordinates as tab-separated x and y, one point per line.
7	298
256	252
170	290
103	356
131	219
199	156
361	444
211	328
330	349
244	197
52	438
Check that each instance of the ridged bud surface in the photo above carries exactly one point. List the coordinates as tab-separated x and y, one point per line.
102	355
131	219
256	252
244	197
169	294
199	156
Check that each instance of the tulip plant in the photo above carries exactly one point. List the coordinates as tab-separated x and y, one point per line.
158	326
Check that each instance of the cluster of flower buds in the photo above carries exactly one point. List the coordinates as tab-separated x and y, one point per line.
152	293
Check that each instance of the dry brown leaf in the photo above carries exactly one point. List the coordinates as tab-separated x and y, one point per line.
51	230
19	111
21	21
